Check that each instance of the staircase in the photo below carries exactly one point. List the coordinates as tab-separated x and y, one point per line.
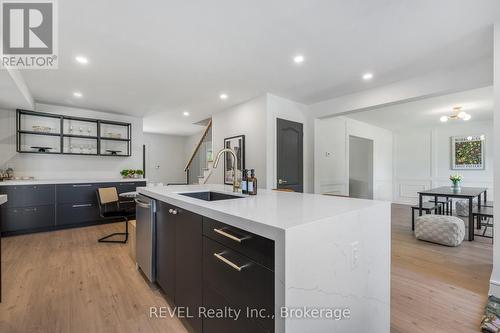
207	172
200	165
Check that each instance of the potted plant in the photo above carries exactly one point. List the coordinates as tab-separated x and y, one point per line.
124	173
456	180
139	173
131	173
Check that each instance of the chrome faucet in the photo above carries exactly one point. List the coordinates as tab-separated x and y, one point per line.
233	165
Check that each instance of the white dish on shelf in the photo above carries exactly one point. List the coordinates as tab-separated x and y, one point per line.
114	135
41	129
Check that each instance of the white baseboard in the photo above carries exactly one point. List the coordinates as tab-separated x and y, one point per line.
495	288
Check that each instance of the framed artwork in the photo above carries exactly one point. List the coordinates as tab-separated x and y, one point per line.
236	143
467	152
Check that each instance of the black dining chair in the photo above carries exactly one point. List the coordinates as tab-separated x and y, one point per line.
484	218
109	209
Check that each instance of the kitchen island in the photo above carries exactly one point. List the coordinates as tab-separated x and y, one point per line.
328	258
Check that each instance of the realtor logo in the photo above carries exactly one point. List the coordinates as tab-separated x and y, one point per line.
29	34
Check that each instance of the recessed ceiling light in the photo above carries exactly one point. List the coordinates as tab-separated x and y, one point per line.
82	60
444	119
467	117
367	76
223	96
298	59
185	113
77	94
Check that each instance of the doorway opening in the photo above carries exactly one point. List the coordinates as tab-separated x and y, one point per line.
360	167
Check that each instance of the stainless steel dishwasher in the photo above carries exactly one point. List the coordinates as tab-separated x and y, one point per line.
146	236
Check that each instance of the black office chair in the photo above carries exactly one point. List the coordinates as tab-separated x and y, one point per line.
109	209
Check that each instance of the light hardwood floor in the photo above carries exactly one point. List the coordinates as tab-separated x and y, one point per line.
436	288
65	281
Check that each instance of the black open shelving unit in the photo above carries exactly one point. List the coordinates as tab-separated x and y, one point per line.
100	140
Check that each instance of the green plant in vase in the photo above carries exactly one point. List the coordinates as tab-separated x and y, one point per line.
131	173
456	180
124	173
139	173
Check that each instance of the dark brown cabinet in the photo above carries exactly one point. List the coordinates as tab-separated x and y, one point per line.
27	218
32	208
203	263
165	249
188	268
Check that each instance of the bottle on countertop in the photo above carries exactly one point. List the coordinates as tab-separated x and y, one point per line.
244	182
252	183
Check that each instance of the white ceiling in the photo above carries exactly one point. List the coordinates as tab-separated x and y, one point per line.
159	58
426	113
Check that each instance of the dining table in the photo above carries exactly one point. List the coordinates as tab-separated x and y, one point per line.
465	193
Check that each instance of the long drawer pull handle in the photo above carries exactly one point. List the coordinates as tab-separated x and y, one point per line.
229	262
85	205
228	235
83	185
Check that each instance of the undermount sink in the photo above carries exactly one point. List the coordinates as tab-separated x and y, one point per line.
210	196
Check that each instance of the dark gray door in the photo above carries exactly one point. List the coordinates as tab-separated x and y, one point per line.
290	155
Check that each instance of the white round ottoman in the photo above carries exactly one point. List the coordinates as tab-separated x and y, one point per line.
441	229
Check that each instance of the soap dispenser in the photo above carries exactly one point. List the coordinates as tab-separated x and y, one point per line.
252	183
244	182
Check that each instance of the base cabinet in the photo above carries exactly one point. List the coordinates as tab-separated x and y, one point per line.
201	274
165	249
188	268
27	218
33	208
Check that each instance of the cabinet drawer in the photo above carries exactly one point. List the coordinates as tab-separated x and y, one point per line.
26	218
29	195
258	248
238	279
77	213
214	301
129	186
76	193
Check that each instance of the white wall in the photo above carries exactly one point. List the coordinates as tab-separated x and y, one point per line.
422	159
256	119
250	119
495	277
67	166
165	158
331	156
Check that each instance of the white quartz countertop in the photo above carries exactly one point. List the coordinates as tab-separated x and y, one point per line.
3	199
280	210
69	181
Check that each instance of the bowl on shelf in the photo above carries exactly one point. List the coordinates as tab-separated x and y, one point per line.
114	135
41	149
41	129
